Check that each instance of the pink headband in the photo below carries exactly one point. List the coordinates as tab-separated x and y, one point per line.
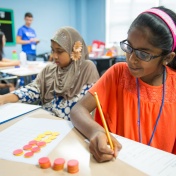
168	20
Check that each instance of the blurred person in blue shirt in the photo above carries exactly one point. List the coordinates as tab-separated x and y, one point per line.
26	36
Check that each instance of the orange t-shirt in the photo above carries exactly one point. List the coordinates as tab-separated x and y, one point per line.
117	92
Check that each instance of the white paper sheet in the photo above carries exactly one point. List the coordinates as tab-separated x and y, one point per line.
150	160
13	110
19	134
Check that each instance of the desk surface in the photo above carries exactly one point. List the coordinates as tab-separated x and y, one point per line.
72	146
32	68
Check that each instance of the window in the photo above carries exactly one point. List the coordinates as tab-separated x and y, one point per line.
121	13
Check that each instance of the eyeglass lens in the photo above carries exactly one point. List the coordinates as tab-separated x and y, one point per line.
140	54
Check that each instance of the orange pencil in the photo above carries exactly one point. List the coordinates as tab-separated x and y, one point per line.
103	120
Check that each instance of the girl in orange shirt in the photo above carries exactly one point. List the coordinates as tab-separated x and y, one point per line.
138	98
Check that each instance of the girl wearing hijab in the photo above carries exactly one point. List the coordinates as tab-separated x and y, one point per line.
64	81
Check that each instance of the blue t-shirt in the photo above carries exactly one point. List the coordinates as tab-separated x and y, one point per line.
26	33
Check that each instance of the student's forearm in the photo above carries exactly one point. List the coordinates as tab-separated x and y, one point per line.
3	85
6	63
85	124
9	98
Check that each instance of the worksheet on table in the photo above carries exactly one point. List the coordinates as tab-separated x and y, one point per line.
148	159
10	111
29	129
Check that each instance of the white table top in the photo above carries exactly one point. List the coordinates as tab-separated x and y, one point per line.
73	145
32	68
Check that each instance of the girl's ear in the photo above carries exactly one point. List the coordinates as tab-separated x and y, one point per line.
168	58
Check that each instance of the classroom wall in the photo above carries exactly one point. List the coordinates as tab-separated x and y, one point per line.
90	21
87	16
96	20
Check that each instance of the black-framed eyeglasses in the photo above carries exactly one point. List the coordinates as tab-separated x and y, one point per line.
142	55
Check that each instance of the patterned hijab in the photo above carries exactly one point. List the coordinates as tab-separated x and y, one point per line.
67	81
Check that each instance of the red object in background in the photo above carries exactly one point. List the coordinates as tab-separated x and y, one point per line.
98	48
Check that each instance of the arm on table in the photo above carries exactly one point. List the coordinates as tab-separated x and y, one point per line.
9	63
10	85
82	120
8	98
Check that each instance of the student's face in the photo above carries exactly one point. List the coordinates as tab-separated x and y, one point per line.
138	39
28	21
60	56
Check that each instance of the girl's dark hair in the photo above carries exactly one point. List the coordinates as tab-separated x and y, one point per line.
1	45
161	35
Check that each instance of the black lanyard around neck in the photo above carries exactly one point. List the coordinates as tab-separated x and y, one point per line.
159	114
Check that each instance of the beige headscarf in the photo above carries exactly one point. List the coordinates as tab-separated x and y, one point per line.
68	81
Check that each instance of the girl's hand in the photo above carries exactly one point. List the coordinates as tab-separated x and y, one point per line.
100	149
